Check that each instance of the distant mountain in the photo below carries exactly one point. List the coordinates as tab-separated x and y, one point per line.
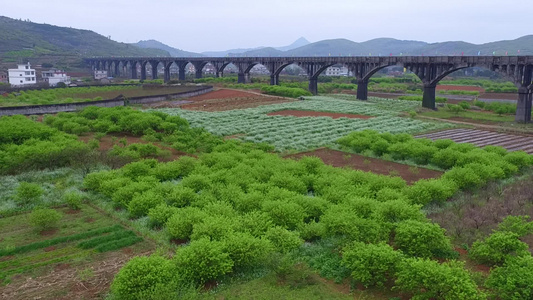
23	40
297	44
387	46
231	52
173	51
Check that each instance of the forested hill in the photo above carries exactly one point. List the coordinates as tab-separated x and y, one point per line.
47	43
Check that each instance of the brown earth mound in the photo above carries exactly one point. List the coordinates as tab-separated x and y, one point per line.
358	162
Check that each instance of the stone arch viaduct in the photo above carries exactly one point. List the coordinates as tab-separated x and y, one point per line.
430	70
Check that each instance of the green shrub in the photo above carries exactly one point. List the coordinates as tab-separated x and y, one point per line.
422	239
203	260
513	280
428	279
285	214
516	224
247	251
143	275
140	204
160	214
283	240
427	191
73	199
44	218
180	225
498	247
27	193
371	264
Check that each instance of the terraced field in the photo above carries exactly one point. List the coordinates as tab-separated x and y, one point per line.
483	138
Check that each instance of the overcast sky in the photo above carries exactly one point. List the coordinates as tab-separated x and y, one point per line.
206	25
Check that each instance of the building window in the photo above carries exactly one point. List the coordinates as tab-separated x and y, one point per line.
21	81
20	74
32	73
33	79
27	67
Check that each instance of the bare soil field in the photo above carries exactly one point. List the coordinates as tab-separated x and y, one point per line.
309	113
226	99
358	162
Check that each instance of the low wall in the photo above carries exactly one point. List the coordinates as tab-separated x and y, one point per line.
119	101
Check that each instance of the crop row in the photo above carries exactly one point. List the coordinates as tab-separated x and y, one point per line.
300	133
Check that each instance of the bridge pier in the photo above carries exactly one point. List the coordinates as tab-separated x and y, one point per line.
154	70
143	72
274	79
313	85
181	74
362	89
523	106
220	74
167	74
133	71
117	69
198	73
428	99
241	78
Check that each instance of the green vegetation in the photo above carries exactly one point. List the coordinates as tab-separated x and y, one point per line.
490	86
285	91
419	98
288	132
44	219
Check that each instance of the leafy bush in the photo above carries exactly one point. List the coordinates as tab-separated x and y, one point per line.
73	199
282	239
180	224
498	247
420	239
247	251
142	275
371	264
44	218
513	280
428	279
516	224
203	260
27	193
285	91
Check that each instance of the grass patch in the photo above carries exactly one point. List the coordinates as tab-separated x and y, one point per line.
473	115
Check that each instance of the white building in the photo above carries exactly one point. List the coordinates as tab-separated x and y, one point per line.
53	77
336	70
22	75
100	74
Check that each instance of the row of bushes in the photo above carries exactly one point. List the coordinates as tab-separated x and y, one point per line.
467	166
285	91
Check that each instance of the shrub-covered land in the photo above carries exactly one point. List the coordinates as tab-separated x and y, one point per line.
467	166
237	206
155	126
301	133
26	144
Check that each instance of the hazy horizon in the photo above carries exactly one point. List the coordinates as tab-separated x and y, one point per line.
215	26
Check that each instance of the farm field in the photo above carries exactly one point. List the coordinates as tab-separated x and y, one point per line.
301	133
73	261
241	204
224	99
84	94
483	138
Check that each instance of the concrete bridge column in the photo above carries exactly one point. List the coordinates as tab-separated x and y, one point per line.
143	72
241	78
362	89
181	74
313	85
198	73
428	99
247	78
117	69
133	71
274	79
154	70
220	74
167	73
523	106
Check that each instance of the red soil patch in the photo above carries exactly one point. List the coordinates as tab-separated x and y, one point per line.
48	249
306	113
73	211
179	242
460	88
48	232
224	99
358	162
6	258
61	267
